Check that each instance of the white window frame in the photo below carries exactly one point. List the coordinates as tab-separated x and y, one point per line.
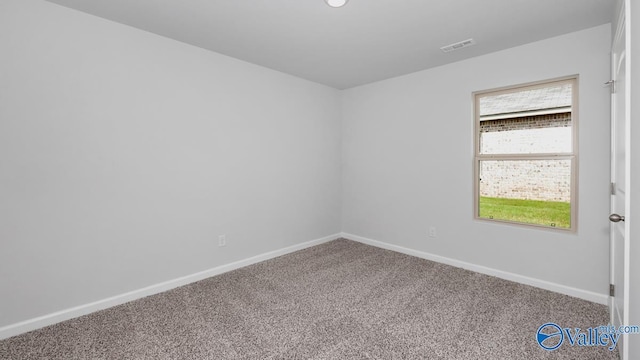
573	155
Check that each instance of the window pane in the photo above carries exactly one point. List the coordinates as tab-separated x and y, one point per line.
526	122
526	191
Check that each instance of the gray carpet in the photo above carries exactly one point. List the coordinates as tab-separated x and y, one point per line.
339	300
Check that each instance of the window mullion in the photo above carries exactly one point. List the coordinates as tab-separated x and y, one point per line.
563	156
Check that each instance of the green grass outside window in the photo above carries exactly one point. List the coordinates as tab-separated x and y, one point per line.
547	213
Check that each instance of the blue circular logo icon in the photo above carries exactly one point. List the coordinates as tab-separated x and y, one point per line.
550	336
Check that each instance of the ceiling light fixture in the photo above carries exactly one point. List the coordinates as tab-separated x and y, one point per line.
336	3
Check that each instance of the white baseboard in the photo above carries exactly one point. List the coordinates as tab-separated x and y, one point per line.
56	317
562	289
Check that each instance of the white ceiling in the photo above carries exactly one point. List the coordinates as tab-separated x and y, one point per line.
363	42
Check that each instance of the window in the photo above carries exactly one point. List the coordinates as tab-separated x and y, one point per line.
525	154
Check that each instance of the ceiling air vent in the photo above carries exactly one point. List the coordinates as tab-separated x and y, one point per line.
458	45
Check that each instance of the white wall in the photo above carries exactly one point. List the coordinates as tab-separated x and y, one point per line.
123	156
407	163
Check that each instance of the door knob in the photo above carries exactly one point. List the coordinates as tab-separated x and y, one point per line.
616	218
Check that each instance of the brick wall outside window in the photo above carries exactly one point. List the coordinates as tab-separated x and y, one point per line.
548	180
